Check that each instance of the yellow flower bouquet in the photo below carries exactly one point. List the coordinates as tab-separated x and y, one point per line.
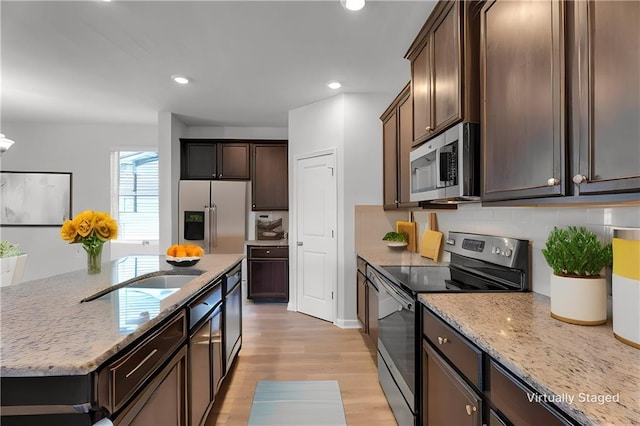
92	230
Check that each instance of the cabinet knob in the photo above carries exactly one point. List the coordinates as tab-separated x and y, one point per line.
214	175
396	201
553	181
428	128
470	409
578	179
220	175
268	251
442	340
253	205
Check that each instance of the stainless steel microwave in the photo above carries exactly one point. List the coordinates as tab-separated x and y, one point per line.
446	168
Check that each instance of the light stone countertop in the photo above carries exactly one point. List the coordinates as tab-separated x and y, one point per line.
46	331
557	359
270	243
396	256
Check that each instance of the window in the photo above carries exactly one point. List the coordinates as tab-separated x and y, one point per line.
135	198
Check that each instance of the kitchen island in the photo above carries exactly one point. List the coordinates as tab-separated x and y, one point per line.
49	336
583	370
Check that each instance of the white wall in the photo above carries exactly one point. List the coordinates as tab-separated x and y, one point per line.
350	124
83	150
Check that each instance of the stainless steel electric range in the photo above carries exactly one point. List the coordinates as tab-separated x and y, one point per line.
479	263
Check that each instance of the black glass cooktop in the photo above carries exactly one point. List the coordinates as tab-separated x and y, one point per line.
420	279
434	279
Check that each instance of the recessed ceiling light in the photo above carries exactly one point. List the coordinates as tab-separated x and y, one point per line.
353	5
334	85
180	79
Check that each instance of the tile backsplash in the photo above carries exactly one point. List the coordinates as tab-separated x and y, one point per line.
531	223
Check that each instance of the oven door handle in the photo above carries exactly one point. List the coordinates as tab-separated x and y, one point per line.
399	297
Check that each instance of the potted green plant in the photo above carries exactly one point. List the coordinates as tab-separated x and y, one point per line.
578	290
12	262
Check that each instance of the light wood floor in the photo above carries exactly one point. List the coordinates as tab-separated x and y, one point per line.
282	345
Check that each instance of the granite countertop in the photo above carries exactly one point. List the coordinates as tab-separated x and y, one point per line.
392	256
46	331
577	366
269	243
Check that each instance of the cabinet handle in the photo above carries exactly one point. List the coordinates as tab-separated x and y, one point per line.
442	340
578	179
153	352
553	181
470	409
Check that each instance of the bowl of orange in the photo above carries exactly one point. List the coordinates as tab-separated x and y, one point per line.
184	254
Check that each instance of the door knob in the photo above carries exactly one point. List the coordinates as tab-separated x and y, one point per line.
553	181
578	179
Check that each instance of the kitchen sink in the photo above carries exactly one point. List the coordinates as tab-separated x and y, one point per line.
162	281
148	281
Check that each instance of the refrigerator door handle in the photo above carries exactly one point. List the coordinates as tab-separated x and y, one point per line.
213	230
207	229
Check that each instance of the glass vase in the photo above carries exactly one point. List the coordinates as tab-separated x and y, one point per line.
94	259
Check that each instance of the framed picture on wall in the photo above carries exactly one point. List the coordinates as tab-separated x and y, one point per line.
34	198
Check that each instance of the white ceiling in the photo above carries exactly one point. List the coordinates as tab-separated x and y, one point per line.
250	61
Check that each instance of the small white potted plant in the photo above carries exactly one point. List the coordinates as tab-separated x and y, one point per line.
578	290
12	262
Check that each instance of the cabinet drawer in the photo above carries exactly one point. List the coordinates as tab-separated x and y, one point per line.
121	379
268	252
513	399
461	353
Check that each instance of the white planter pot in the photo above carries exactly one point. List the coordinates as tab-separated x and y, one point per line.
581	301
11	269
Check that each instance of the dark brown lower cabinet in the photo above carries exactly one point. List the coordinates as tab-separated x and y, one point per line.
446	398
361	293
268	273
164	400
205	366
512	399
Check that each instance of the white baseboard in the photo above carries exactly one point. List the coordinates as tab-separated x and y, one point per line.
343	323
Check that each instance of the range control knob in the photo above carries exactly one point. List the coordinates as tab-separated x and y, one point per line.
507	252
495	250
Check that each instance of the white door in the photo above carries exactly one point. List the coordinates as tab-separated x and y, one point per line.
317	252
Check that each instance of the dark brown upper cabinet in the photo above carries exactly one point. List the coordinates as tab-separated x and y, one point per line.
604	66
199	159
233	161
523	114
269	176
211	159
445	69
561	101
397	142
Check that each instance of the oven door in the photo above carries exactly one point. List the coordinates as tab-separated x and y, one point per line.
396	348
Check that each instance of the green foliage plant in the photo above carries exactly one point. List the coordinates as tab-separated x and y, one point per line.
576	252
8	249
399	237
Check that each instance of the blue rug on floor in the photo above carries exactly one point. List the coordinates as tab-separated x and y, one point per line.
300	403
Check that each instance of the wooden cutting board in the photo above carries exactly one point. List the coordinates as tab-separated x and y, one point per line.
408	228
431	240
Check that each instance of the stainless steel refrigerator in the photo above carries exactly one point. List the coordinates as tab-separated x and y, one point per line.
212	214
